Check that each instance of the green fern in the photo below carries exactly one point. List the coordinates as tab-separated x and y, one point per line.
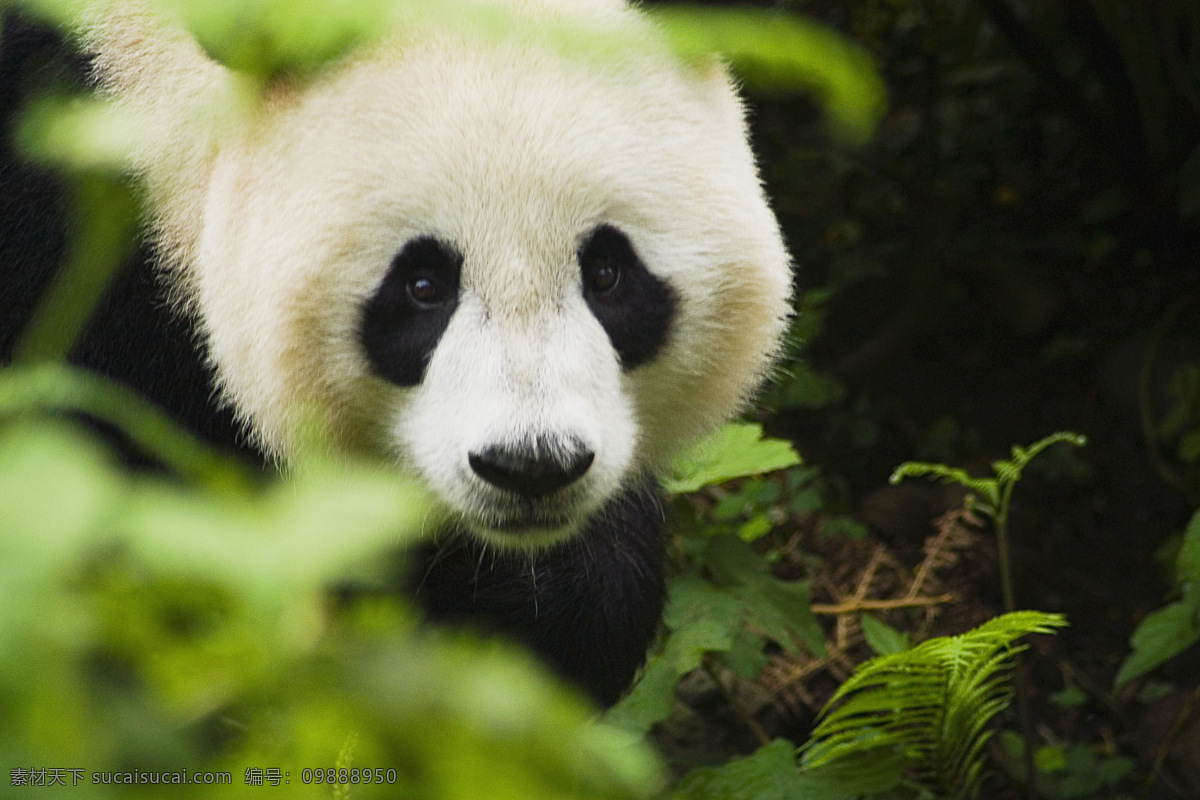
924	711
992	496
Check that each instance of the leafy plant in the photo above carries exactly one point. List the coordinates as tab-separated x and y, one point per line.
924	711
709	617
1170	630
158	626
779	50
732	451
992	496
1068	771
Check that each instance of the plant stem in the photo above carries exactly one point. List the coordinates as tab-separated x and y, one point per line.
1002	548
1020	682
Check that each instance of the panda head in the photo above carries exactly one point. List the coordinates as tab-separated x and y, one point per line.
525	275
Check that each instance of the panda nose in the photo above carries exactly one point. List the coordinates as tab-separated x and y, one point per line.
531	472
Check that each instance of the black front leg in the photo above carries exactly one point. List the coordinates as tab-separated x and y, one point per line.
589	606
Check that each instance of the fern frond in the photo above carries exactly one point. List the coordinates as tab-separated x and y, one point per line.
987	488
1010	469
929	706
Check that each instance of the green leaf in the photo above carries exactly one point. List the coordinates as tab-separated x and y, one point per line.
1050	759
45	540
1187	564
732	451
783	51
987	488
279	541
1170	630
779	609
1006	472
702	619
928	706
769	774
265	37
747	657
1011	469
1162	635
59	387
881	638
870	773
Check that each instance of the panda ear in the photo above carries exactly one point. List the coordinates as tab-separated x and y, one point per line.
148	61
174	98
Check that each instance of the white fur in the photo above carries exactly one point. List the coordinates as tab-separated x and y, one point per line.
277	225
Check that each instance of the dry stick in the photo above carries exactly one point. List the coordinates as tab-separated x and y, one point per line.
853	606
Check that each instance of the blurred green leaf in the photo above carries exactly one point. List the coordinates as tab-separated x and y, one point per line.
1170	630
1162	635
881	638
59	388
769	774
152	623
776	50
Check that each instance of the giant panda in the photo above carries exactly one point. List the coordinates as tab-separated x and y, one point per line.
521	274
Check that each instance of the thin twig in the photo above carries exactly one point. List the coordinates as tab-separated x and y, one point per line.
852	606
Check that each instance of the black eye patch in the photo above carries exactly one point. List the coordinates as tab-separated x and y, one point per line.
406	316
634	306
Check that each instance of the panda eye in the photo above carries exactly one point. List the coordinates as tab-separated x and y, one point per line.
602	277
404	319
600	261
633	305
424	292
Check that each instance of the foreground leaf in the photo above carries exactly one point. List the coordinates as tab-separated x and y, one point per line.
732	451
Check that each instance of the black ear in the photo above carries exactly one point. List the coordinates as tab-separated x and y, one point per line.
634	306
405	318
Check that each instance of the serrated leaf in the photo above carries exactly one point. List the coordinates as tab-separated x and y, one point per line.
732	451
777	608
702	619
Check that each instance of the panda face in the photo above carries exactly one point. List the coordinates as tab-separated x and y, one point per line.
523	275
519	419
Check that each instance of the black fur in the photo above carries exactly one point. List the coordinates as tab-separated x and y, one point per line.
589	606
132	336
634	306
405	318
